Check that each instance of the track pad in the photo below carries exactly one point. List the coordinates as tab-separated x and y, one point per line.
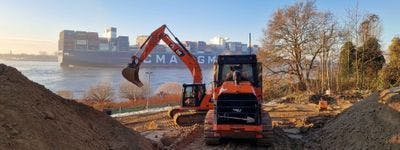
132	75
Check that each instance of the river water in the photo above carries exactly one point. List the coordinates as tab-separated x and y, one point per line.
79	79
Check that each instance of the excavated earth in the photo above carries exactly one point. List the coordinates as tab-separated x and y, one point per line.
373	123
32	117
287	118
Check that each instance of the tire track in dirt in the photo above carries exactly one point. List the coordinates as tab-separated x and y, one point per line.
160	128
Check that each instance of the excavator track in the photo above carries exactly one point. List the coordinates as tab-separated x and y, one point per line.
209	138
172	112
189	118
268	134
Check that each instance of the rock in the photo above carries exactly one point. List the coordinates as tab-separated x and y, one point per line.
49	115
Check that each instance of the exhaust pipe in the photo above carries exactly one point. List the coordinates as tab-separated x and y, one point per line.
131	73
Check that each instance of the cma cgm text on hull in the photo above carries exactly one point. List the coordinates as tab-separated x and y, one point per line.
121	58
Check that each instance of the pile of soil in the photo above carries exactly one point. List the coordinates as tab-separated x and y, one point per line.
32	117
368	124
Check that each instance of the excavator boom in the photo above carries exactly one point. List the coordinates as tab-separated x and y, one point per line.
131	73
196	102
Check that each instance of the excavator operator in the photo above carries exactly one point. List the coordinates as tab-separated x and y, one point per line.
236	73
190	101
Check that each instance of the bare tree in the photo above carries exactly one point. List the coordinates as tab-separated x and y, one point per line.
132	92
170	88
352	21
370	27
294	38
99	93
351	32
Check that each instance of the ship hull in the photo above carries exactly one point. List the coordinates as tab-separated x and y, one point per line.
122	58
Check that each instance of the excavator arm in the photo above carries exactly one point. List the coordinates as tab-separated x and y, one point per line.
131	73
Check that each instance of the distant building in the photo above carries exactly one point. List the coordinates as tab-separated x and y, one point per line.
245	48
141	39
254	49
234	46
217	40
110	33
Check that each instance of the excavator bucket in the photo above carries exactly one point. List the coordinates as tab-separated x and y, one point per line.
131	73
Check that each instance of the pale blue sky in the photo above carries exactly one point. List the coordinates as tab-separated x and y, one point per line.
41	20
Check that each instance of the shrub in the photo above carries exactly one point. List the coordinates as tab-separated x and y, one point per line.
131	92
169	88
99	93
65	94
390	76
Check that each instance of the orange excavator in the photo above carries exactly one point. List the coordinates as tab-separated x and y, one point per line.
195	101
237	95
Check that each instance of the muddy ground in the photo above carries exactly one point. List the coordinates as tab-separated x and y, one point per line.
370	123
291	122
32	117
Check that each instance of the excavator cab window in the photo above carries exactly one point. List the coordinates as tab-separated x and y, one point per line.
236	67
193	94
245	72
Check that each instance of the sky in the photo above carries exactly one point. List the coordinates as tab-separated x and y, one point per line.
30	26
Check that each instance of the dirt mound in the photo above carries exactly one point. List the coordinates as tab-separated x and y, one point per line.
368	124
32	117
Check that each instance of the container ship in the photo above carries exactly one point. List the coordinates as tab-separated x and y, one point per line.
82	48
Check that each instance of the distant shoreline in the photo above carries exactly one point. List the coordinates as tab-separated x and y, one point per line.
26	57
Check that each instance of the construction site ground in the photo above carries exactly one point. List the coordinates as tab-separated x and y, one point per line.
32	117
291	122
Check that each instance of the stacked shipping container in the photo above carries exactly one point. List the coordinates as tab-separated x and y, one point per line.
81	40
66	40
93	41
123	43
90	41
103	44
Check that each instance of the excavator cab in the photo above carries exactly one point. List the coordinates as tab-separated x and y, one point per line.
237	68
192	94
237	95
